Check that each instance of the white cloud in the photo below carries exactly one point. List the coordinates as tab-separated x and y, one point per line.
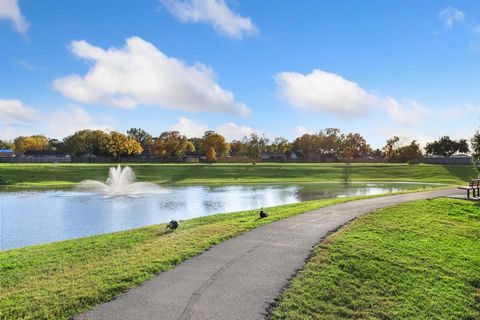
450	16
325	92
74	118
462	111
411	113
214	12
232	131
139	73
300	131
189	127
9	10
476	30
14	112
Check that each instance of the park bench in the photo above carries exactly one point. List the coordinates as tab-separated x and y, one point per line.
474	185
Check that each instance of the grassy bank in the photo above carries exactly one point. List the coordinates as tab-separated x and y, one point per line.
55	281
49	176
418	260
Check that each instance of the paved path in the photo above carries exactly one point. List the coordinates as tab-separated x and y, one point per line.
241	277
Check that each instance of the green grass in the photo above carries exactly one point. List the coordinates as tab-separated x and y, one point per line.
418	260
51	176
58	280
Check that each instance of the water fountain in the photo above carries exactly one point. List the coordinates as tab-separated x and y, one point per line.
120	182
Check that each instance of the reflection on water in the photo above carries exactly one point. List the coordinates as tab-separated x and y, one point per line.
29	218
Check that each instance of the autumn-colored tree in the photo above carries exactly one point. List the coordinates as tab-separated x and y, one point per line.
237	148
117	144
85	142
353	146
211	155
308	145
172	145
36	142
216	141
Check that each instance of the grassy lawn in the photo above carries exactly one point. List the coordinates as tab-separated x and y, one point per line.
49	176
55	281
417	260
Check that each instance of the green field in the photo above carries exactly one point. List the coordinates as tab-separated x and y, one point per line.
58	280
50	176
417	260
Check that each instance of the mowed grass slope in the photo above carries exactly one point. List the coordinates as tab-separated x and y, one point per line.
65	175
418	260
58	280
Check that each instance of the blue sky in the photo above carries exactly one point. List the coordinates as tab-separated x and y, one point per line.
278	67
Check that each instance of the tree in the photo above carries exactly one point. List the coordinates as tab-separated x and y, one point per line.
117	144
308	145
172	145
140	135
391	147
85	142
238	147
354	146
5	145
475	142
211	155
255	145
409	153
216	141
280	145
446	147
35	142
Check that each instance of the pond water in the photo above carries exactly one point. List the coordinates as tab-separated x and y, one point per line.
29	218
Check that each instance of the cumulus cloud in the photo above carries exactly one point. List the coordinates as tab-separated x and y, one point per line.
139	73
300	131
15	112
410	113
74	118
232	131
9	10
189	127
325	92
214	12
450	16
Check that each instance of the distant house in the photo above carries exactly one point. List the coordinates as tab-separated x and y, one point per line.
7	154
273	156
460	159
45	156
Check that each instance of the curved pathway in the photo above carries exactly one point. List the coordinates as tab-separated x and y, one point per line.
241	277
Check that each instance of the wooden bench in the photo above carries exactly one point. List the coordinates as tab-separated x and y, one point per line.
474	185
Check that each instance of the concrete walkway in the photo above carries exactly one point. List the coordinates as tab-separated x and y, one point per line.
241	277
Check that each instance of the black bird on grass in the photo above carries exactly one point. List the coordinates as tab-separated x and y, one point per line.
172	225
263	214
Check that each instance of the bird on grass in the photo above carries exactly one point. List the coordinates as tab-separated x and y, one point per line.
172	225
263	214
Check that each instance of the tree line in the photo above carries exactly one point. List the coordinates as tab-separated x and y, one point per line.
327	145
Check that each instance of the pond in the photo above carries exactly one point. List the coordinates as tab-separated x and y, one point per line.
29	218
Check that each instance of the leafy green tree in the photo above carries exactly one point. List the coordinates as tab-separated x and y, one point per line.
85	142
446	147
172	145
280	145
238	147
391	147
140	135
35	142
409	153
5	145
475	143
255	145
216	141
